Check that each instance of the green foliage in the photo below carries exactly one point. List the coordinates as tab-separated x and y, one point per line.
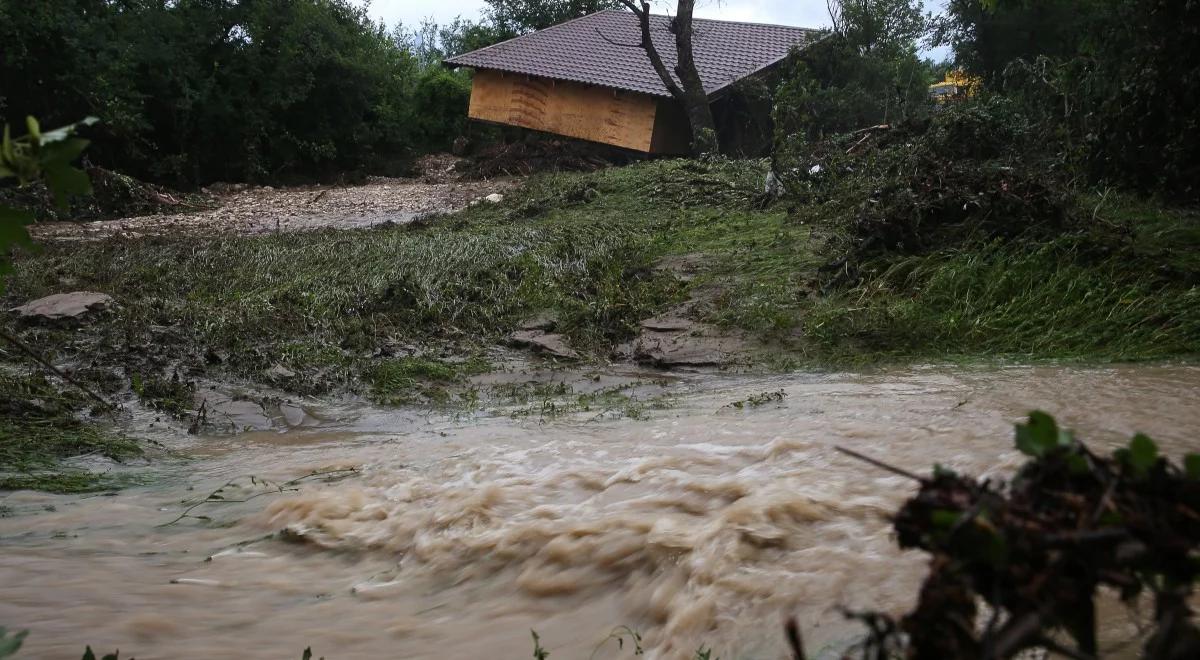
196	91
35	157
1041	435
888	29
522	16
1191	464
1111	84
442	97
1038	549
987	35
539	653
865	73
10	644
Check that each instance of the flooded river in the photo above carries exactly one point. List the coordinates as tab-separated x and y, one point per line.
697	523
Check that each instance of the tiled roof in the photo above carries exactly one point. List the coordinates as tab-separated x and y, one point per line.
601	49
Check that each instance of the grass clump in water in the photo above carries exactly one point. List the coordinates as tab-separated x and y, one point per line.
39	429
173	396
409	380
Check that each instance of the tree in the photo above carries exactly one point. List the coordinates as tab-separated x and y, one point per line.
866	73
523	16
986	35
689	91
1113	84
886	28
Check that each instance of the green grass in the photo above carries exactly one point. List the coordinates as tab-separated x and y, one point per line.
328	305
410	380
1128	289
173	396
323	303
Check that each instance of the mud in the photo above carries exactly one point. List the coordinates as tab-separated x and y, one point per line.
701	524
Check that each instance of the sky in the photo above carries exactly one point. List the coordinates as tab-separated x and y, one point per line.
804	13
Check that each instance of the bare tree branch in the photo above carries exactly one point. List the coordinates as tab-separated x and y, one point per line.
616	43
642	12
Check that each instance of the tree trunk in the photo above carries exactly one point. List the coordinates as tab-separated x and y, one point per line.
689	91
695	100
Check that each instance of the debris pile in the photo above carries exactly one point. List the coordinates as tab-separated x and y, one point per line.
1038	549
114	195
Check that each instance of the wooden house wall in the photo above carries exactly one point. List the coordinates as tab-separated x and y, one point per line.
587	112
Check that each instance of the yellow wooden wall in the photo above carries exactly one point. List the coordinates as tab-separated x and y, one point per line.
587	112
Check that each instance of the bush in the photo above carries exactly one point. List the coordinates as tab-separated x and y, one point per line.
441	97
1112	84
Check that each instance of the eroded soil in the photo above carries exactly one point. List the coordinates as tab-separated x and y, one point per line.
264	209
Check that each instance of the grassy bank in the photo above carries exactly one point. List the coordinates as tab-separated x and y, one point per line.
1117	280
590	249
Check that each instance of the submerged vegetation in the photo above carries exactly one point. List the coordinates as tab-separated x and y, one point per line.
39	428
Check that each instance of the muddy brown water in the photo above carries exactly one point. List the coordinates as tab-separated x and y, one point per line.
702	524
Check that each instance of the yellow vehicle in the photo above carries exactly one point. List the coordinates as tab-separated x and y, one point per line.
957	86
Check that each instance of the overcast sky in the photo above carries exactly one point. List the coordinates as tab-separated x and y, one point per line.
805	13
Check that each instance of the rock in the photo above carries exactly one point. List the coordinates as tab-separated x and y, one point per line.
494	198
543	321
280	372
65	305
672	341
552	344
293	415
669	324
666	350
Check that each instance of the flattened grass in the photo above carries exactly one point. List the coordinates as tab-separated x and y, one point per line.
38	430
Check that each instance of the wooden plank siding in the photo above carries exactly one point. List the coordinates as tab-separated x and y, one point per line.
588	112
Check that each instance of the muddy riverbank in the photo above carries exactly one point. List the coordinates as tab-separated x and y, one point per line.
699	523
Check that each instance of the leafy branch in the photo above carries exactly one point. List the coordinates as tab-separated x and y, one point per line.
39	156
1037	550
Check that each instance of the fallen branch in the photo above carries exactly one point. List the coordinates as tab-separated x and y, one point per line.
866	135
880	464
55	370
272	488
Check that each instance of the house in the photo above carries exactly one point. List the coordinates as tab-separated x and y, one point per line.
588	78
